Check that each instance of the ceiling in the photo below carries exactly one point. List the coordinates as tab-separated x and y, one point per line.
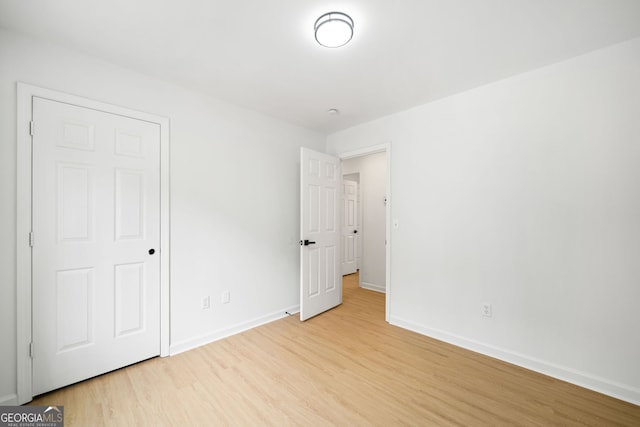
261	54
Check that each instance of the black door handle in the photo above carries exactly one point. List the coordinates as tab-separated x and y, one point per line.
306	243
152	251
355	231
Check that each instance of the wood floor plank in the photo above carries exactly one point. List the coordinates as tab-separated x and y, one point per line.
344	367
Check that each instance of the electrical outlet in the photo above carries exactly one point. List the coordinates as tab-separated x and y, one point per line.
206	303
486	310
226	297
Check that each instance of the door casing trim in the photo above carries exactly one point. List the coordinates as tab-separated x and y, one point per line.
25	94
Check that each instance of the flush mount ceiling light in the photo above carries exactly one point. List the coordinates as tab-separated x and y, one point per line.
333	29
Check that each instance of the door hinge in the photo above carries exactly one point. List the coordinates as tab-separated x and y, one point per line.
31	238
31	349
31	127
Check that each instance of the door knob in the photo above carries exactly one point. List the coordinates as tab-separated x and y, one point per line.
355	231
306	242
152	251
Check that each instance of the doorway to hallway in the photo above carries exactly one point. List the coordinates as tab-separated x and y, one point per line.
365	221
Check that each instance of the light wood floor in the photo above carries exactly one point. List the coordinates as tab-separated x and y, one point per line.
345	367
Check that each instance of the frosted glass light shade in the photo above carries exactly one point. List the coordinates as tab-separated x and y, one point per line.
334	29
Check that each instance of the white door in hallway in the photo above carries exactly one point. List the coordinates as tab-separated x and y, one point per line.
349	226
320	275
96	236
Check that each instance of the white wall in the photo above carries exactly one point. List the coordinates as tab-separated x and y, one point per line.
524	194
234	195
372	171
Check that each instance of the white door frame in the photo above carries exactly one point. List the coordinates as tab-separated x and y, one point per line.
24	210
381	148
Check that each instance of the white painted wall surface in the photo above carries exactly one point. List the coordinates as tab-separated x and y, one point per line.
234	195
372	170
524	194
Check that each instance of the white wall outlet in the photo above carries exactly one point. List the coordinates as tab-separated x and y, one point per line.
226	297
486	310
206	303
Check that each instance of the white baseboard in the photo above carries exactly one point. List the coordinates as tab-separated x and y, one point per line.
373	287
192	343
9	400
582	379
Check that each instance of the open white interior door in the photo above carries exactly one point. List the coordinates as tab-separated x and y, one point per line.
320	275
